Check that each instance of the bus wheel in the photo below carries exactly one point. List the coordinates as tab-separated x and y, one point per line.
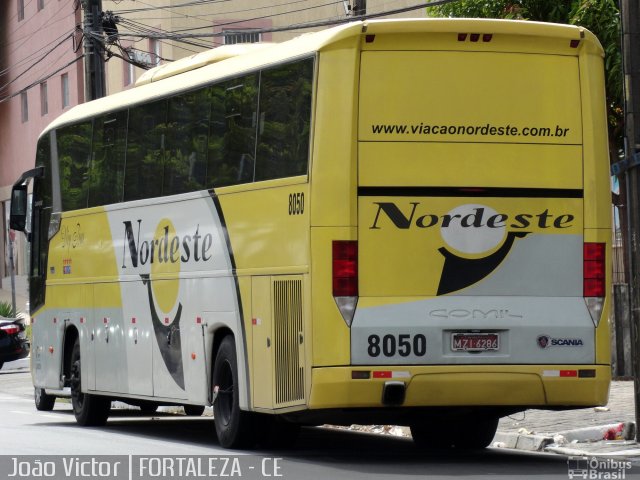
462	432
431	433
477	432
44	402
193	410
275	432
232	425
148	408
89	410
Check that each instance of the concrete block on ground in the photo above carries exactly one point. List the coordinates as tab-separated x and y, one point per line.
532	443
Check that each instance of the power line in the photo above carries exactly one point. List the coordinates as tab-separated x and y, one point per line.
39	81
37	62
298	26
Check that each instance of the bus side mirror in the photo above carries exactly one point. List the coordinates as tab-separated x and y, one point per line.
18	213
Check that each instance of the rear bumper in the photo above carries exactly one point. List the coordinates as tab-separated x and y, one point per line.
470	385
15	351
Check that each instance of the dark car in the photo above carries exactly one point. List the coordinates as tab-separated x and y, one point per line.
14	343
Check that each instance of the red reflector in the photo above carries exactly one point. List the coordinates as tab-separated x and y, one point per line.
382	374
474	37
594	270
568	373
345	268
10	329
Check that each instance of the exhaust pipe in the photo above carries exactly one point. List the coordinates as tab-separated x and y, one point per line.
393	393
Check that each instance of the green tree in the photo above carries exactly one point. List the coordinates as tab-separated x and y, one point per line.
601	17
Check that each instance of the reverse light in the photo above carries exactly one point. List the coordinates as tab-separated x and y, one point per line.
345	277
594	279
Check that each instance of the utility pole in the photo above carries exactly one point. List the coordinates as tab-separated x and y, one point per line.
94	81
359	8
631	56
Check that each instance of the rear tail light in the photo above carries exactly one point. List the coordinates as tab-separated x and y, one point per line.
345	277
10	329
594	278
345	268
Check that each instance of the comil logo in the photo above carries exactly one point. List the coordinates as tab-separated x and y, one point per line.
476	237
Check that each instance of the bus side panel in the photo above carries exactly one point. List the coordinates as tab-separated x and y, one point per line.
334	178
597	205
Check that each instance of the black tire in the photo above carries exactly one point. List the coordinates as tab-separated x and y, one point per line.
233	426
431	434
463	432
193	410
481	433
1	365
276	432
89	410
43	401
148	408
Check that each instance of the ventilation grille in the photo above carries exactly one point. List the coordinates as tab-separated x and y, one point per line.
288	341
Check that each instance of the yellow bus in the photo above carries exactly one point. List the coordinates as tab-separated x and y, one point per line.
396	221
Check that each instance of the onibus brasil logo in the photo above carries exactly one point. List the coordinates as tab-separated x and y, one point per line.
468	231
162	256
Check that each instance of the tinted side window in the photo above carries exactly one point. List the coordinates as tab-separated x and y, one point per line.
106	177
74	155
145	151
232	132
285	116
41	214
185	162
43	159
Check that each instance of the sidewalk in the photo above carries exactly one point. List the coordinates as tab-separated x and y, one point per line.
603	431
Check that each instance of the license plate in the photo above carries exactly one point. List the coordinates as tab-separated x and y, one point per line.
476	342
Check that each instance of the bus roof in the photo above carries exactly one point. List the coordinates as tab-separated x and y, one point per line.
206	67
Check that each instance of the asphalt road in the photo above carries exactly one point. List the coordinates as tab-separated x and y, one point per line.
320	453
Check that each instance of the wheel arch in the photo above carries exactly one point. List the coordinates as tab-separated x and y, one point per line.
71	335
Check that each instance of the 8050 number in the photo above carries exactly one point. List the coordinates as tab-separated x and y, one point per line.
403	345
296	203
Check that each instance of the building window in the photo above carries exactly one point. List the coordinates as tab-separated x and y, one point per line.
44	99
25	107
241	36
40	4
65	89
20	10
129	73
154	51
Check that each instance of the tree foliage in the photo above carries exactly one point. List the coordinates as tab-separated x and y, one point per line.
601	17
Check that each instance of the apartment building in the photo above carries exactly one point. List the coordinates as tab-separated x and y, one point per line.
40	77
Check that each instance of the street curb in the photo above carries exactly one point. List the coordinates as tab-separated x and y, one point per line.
555	442
613	431
577	452
532	443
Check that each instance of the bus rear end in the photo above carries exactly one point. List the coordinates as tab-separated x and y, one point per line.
479	265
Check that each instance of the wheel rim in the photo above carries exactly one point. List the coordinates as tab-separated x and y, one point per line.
224	401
